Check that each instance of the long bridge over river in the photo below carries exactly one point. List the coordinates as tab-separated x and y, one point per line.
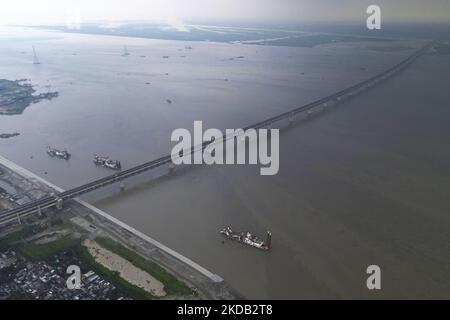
58	198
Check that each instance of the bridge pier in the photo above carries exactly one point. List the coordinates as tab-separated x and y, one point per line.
122	186
40	211
291	120
59	204
18	219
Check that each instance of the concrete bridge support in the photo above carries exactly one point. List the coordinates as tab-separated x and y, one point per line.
291	120
59	204
18	219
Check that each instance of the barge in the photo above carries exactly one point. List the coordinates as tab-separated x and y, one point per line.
107	162
63	154
248	238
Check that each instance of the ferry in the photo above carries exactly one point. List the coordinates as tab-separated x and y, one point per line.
248	238
107	163
53	152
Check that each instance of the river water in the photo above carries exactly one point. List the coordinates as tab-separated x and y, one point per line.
333	208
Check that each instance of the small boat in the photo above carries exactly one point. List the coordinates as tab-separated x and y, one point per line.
248	238
53	152
107	162
125	52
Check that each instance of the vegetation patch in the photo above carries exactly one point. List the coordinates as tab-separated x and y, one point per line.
16	96
19	235
38	252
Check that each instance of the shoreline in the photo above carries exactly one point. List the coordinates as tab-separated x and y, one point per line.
210	285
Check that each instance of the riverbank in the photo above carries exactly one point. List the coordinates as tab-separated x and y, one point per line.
172	269
148	281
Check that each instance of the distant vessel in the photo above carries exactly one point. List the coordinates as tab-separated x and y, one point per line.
53	152
247	238
107	163
35	57
125	52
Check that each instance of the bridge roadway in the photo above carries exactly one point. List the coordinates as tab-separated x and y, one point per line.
52	201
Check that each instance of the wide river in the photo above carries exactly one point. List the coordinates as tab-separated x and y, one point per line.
364	184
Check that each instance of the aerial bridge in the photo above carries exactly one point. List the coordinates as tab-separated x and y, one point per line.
57	200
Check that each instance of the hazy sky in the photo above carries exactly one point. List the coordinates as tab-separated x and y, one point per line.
177	11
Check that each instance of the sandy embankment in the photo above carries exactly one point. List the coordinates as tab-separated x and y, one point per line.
126	269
